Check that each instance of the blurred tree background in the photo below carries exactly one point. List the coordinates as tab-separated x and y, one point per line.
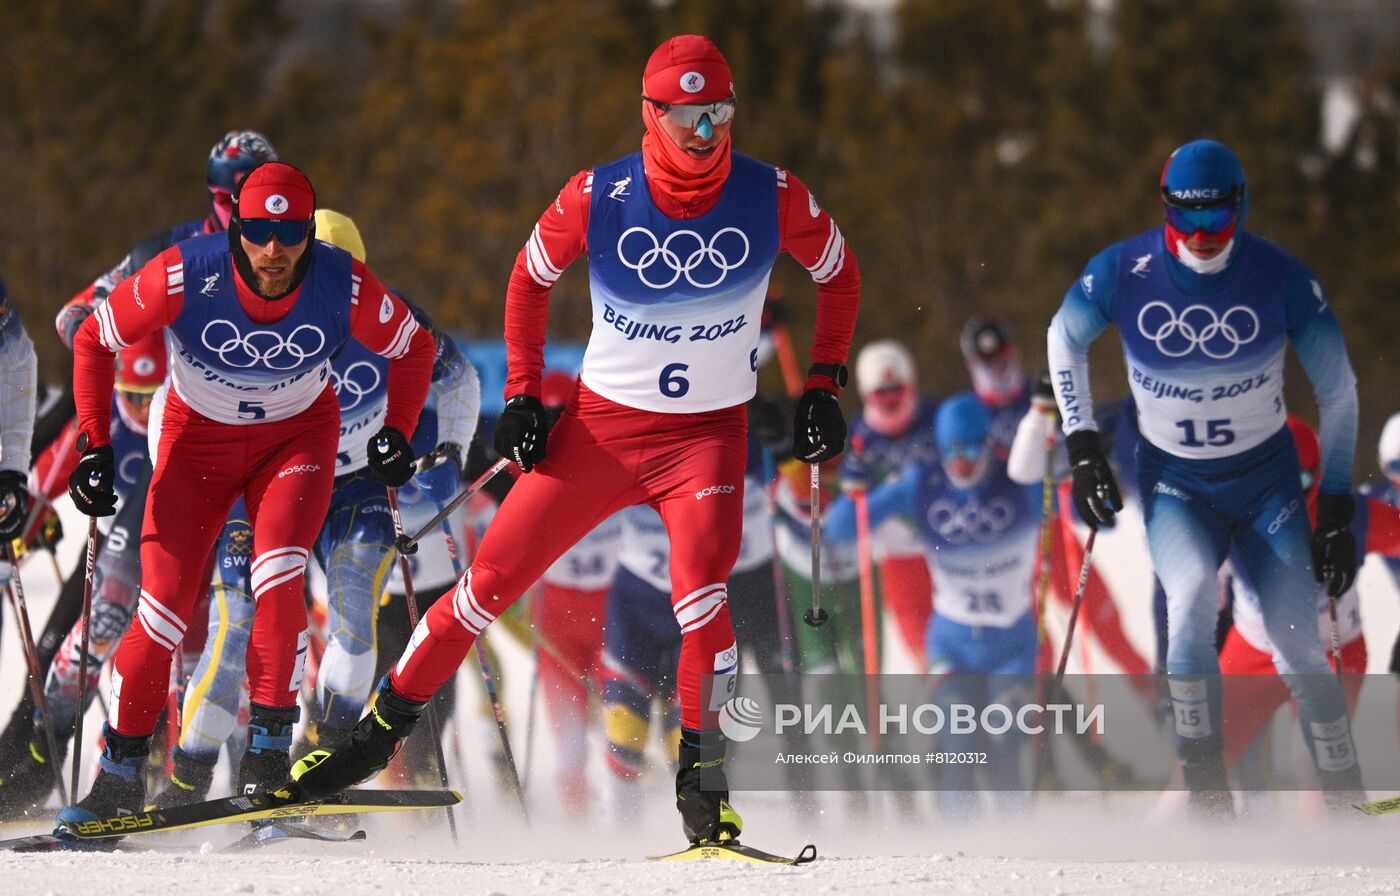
975	152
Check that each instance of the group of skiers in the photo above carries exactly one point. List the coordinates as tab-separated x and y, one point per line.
255	415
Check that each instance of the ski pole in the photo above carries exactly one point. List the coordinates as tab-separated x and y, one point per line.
1074	610
1336	645
89	569
411	601
31	657
867	608
405	545
489	679
816	617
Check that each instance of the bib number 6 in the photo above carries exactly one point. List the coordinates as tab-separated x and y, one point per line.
671	383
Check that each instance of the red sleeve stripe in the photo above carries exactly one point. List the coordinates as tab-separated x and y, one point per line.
403	337
782	178
588	183
175	279
354	289
107	328
542	270
833	257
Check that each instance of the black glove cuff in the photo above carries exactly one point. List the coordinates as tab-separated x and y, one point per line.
1334	512
1082	445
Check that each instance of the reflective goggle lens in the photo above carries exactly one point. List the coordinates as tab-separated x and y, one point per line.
137	400
687	115
260	231
1202	220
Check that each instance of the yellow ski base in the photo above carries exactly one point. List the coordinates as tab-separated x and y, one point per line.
1380	807
734	851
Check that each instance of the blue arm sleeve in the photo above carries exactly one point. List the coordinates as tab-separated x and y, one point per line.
1317	338
1086	312
456	389
891	497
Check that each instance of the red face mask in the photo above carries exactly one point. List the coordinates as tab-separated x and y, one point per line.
673	170
890	410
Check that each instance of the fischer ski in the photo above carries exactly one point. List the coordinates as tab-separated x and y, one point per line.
1380	807
734	851
50	843
254	806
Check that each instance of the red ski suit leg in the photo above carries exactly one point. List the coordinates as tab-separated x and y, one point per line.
285	469
570	622
603	457
907	589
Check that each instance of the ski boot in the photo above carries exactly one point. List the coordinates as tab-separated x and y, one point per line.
267	762
1203	769
27	783
189	782
702	793
372	744
120	787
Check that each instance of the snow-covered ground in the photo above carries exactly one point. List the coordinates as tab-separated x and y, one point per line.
1067	844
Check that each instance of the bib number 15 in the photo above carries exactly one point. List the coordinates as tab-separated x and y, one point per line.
1215	434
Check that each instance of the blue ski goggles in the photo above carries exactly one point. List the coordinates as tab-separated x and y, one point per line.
260	231
1215	215
688	115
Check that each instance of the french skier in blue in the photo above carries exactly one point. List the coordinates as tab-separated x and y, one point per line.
1205	311
979	531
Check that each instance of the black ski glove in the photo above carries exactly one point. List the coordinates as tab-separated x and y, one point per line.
819	430
90	484
1095	490
1043	398
14	503
522	431
390	457
1333	545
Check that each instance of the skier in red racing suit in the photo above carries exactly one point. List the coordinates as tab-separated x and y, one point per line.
681	239
253	318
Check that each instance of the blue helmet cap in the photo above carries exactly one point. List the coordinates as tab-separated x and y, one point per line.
1204	173
961	421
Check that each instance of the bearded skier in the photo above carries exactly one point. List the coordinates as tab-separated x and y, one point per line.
251	413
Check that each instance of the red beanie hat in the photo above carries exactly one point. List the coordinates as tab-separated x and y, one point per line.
275	190
687	69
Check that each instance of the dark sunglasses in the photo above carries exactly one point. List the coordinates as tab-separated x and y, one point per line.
260	231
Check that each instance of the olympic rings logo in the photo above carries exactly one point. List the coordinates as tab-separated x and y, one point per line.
262	347
703	252
1198	326
959	523
358	380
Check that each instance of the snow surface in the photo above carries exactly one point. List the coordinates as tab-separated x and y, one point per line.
1077	843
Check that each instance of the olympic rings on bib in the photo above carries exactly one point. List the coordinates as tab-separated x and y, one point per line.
267	348
959	523
697	253
1198	326
360	379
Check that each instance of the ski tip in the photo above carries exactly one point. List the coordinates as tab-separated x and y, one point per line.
1379	807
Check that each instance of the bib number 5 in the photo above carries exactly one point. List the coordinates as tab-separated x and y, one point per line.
251	410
